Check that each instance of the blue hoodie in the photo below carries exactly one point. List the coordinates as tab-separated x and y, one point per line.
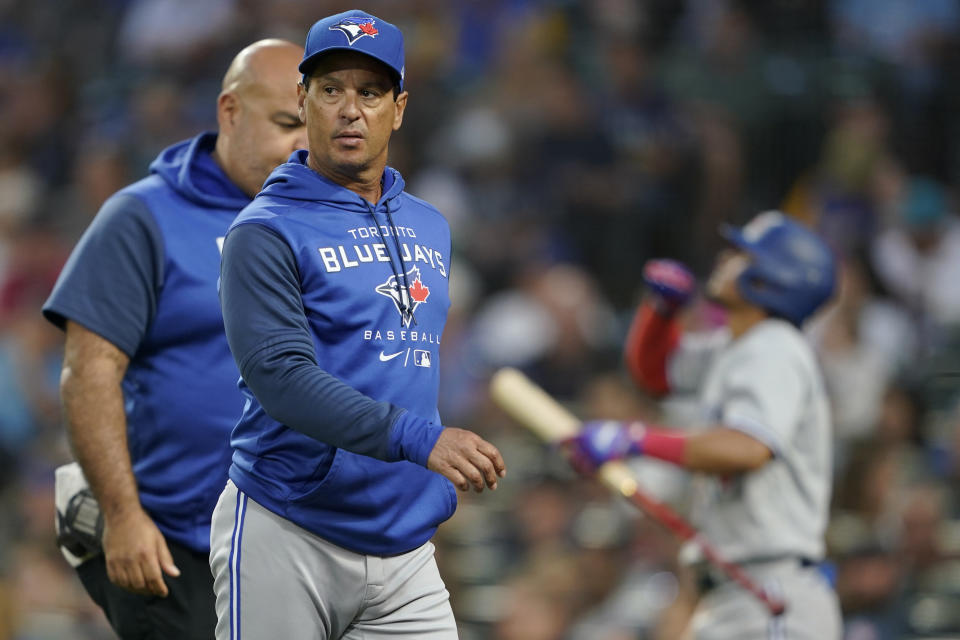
339	361
144	276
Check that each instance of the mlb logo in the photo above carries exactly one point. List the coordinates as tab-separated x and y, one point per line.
421	357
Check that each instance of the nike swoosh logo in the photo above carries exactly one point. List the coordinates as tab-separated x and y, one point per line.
385	358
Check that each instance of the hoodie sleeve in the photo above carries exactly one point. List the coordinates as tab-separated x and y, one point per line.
271	342
112	279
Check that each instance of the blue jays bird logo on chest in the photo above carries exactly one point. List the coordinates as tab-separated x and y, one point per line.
407	293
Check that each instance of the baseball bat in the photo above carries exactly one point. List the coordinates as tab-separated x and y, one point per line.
550	421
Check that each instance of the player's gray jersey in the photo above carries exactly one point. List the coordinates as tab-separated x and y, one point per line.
766	384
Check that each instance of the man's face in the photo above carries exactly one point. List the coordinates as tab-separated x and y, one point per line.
267	129
350	114
722	284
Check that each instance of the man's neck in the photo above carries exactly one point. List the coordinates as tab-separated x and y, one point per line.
742	319
218	156
366	184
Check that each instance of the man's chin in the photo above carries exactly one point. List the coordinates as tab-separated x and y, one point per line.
350	166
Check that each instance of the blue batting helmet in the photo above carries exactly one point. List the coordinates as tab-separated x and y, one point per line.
792	272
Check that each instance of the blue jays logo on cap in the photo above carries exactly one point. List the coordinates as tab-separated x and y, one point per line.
356	28
356	31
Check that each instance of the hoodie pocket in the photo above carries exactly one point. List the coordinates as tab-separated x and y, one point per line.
326	470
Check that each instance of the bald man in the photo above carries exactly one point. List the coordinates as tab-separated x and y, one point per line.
149	387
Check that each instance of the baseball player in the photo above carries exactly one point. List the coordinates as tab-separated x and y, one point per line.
765	458
334	288
149	387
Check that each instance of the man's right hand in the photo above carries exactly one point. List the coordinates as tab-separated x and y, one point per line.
136	553
467	460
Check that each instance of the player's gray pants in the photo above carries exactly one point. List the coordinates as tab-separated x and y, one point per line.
728	612
274	580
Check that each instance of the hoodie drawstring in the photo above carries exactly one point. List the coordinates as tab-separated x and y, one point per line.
403	265
402	303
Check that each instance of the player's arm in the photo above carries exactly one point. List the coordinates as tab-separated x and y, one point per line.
760	406
104	299
719	450
270	339
724	451
655	332
659	356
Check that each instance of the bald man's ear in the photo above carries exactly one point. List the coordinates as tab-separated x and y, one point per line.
227	109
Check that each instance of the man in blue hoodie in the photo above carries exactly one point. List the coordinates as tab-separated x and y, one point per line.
149	387
334	288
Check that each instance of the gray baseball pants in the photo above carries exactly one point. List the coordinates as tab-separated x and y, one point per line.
729	612
273	580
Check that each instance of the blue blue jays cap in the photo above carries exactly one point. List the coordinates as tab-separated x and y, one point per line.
355	31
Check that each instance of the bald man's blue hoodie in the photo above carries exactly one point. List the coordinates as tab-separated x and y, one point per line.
144	277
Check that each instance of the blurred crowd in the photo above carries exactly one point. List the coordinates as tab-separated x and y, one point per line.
567	142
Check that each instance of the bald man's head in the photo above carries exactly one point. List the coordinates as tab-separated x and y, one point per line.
254	65
257	112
